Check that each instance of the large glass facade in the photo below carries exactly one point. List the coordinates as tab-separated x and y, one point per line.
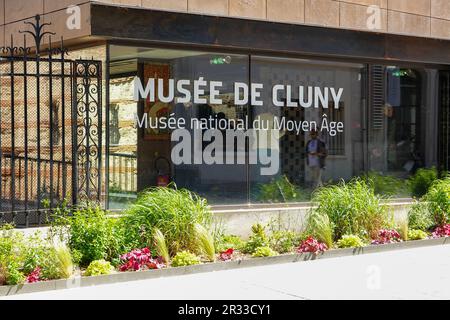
403	127
262	129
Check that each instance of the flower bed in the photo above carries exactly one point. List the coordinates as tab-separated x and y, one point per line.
169	228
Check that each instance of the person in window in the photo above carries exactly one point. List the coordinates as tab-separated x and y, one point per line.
316	156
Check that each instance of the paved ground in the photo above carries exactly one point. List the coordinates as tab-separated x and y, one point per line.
409	274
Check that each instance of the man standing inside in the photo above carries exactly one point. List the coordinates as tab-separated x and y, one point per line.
316	155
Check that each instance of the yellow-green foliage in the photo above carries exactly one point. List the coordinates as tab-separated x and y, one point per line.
64	259
226	242
264	252
161	245
205	242
350	241
417	235
185	258
257	239
98	268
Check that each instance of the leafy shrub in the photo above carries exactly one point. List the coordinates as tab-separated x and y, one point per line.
350	241
11	245
417	235
257	239
205	242
161	245
174	212
352	208
185	258
98	268
387	236
13	274
311	245
91	234
442	232
22	257
283	241
318	226
226	242
264	252
419	217
280	190
53	262
438	199
383	184
421	181
140	259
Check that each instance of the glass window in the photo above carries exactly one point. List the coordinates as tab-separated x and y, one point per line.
403	125
324	100
141	155
263	129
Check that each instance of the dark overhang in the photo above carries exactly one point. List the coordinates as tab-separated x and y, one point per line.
243	35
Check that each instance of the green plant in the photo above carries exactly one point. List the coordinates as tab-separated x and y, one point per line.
403	228
54	263
185	258
98	268
384	184
13	274
226	242
257	239
206	242
65	262
11	246
91	234
161	245
438	199
22	256
319	226
352	208
417	235
284	241
419	216
280	190
421	181
264	252
174	212
350	241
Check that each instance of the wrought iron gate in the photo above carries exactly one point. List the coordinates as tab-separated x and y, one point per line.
51	129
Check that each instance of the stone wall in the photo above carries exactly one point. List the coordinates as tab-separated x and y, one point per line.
427	18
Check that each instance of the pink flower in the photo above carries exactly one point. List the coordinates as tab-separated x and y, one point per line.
140	259
34	276
441	232
387	236
227	255
311	245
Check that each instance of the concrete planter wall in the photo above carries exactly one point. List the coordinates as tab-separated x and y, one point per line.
238	221
210	267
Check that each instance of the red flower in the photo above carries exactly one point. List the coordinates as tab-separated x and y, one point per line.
140	259
34	276
441	232
227	255
387	236
311	245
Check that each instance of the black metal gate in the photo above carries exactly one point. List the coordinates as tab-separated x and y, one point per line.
51	129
